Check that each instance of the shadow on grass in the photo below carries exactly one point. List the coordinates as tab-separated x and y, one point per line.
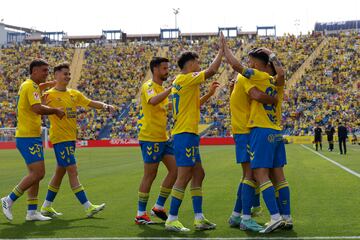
278	233
158	230
45	229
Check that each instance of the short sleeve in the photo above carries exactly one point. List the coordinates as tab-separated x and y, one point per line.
148	91
33	94
197	78
254	74
81	100
247	85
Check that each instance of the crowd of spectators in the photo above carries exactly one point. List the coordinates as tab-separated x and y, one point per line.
14	69
327	91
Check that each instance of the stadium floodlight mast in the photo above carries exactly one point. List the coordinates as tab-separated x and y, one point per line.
297	25
176	12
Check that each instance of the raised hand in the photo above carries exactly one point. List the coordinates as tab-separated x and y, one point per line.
265	50
214	85
222	41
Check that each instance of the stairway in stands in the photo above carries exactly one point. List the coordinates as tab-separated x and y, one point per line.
301	70
106	130
76	67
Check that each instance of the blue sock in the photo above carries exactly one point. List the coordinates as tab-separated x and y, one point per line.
177	196
80	194
51	193
15	194
32	204
268	192
142	201
256	200
238	203
247	194
196	195
284	197
278	202
163	195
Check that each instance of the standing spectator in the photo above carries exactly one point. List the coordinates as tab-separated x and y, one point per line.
330	130
318	137
342	135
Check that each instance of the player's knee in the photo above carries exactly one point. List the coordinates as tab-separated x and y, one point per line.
72	172
172	174
199	174
260	176
150	176
38	175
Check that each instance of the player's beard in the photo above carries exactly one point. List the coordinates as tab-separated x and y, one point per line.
164	78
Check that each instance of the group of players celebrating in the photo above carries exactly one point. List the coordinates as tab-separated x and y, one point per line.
255	104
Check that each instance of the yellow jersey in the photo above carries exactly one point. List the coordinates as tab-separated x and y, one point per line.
186	102
64	130
152	119
262	115
28	122
280	96
240	107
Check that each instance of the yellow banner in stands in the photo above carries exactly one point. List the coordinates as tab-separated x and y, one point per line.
310	139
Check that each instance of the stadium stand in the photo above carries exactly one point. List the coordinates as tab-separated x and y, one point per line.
324	72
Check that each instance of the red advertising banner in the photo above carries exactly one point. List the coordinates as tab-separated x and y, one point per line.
124	143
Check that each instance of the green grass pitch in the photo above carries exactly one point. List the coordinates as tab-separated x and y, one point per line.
324	197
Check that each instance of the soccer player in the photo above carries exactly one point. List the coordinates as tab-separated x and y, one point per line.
330	130
63	138
240	111
28	140
186	113
267	151
154	140
318	137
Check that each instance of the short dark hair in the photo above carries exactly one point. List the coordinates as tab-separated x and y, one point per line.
156	61
60	66
37	63
258	54
185	57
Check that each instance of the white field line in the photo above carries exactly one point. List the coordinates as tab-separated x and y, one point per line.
180	238
333	162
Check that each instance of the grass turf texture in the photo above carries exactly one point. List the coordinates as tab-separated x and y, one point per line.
324	197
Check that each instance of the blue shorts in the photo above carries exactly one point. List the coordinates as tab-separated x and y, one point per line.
153	152
31	149
242	147
267	148
65	153
186	146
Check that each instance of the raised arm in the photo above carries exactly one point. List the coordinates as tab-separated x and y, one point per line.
230	57
279	69
211	92
46	85
214	66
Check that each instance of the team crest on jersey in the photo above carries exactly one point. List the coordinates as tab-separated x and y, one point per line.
36	96
195	74
150	91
